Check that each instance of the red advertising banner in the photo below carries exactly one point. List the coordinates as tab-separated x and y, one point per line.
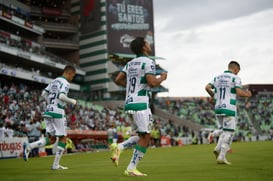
11	147
3	33
89	134
165	141
127	20
52	11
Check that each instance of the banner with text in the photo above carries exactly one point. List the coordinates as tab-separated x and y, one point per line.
11	147
127	19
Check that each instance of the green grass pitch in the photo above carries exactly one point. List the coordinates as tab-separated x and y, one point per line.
251	161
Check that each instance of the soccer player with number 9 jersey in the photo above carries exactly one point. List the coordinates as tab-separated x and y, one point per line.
138	76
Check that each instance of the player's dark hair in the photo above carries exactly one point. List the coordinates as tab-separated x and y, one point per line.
137	45
69	68
233	63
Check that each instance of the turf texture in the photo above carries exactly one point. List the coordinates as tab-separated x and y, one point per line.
251	161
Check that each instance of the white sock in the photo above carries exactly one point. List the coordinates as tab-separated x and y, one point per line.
38	144
128	143
217	132
224	149
225	146
219	143
137	156
58	156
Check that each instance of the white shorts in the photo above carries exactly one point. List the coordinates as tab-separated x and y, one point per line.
228	122
56	126
143	120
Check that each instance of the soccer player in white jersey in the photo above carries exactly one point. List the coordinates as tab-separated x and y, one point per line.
137	76
223	89
56	96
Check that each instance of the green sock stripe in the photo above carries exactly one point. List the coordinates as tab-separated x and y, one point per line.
140	148
61	144
47	141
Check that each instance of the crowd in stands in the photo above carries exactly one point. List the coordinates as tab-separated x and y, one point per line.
261	111
13	10
21	109
254	111
14	40
26	45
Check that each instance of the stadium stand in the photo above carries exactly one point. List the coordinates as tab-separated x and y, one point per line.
254	115
21	103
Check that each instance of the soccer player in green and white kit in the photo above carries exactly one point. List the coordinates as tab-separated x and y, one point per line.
138	76
56	96
223	89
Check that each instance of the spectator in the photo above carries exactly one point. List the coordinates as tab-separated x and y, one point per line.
3	130
33	129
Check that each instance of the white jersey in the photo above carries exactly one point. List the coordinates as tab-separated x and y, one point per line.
9	132
55	107
137	97
3	131
225	93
